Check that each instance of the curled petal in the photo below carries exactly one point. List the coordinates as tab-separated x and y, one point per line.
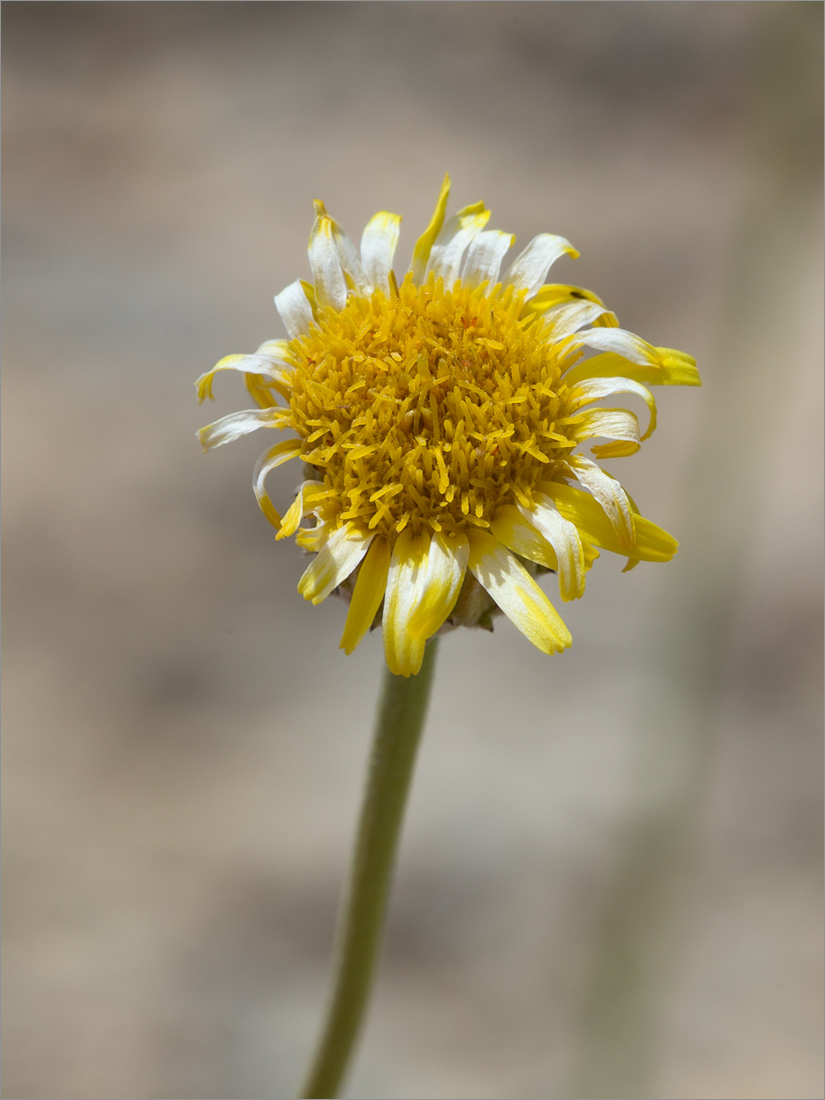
406	585
620	425
309	495
529	269
275	456
312	538
564	537
261	363
295	309
424	244
594	389
516	593
336	559
621	342
610	495
265	391
367	594
378	244
278	349
237	424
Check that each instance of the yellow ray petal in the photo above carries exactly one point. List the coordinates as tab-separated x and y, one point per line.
308	496
513	530
367	594
651	543
260	364
424	244
664	367
555	294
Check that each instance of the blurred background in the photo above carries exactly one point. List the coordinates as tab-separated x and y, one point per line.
610	882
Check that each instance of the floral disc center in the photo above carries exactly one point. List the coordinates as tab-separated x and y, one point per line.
428	407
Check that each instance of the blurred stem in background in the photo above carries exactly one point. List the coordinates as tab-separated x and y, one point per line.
398	728
636	948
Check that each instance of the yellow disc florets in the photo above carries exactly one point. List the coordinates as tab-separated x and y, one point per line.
427	407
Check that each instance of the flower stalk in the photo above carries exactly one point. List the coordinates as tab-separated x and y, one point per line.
399	724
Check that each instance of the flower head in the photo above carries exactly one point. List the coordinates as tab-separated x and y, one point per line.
440	420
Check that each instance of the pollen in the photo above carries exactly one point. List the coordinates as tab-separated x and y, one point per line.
428	408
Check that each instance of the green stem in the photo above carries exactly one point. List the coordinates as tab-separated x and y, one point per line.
398	729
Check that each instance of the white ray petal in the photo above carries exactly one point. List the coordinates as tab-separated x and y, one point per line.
449	246
349	258
378	244
327	273
565	319
237	424
511	528
621	342
516	593
482	264
334	562
264	365
529	269
295	309
275	456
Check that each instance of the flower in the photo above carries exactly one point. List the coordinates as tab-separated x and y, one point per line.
440	419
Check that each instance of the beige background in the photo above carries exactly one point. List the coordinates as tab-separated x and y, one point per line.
610	881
